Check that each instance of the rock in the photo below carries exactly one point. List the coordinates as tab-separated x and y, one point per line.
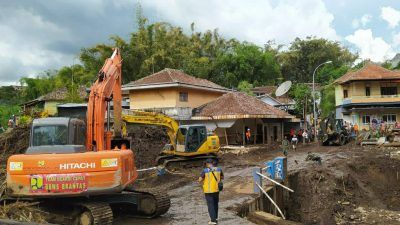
360	210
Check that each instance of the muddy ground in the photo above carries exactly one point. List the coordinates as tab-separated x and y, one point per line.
353	185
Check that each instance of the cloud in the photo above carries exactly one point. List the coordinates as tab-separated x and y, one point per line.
43	35
21	53
257	21
390	15
370	47
363	21
396	40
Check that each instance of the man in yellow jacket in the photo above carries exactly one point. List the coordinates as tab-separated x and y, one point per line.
211	176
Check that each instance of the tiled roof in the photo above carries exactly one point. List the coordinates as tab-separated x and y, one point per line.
168	76
239	105
370	71
62	94
265	89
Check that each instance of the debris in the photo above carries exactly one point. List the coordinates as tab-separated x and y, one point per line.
147	143
23	211
314	157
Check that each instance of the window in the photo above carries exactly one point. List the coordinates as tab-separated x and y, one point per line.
367	91
388	89
366	119
183	96
391	118
345	94
79	134
50	135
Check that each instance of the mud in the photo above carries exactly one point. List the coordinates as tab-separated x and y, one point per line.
347	188
147	142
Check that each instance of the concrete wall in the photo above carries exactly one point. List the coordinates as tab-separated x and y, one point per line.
157	98
356	92
169	98
196	98
50	107
338	95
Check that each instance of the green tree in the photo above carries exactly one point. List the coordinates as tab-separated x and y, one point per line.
302	95
9	95
6	111
327	104
246	62
303	56
245	86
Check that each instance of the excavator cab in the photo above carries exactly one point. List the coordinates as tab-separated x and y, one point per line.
190	137
57	135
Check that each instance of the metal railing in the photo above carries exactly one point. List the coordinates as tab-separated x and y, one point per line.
273	169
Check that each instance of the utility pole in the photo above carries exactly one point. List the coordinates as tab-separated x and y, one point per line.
313	95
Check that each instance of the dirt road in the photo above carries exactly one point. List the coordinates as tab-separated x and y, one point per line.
340	191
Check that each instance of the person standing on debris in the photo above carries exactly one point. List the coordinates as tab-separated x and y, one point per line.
212	177
10	123
300	135
294	142
285	146
356	129
305	136
248	135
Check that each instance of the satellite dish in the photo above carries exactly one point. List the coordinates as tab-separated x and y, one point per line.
283	88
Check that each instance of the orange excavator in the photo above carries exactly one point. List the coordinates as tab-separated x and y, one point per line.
91	177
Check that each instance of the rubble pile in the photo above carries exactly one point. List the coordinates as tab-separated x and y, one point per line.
12	142
147	143
23	211
350	191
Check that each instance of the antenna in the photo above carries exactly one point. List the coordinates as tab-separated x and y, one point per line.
283	88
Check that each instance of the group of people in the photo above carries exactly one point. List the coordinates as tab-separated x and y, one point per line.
302	135
352	129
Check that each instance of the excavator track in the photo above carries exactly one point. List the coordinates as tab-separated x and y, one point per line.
166	160
95	213
154	203
145	203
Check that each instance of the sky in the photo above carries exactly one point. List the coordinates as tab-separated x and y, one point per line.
41	35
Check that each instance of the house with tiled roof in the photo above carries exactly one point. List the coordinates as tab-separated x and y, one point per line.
172	92
284	102
368	96
48	102
232	114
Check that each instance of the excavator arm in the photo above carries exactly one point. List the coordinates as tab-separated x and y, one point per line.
107	87
152	118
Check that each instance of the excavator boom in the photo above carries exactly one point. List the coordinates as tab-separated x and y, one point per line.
106	88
